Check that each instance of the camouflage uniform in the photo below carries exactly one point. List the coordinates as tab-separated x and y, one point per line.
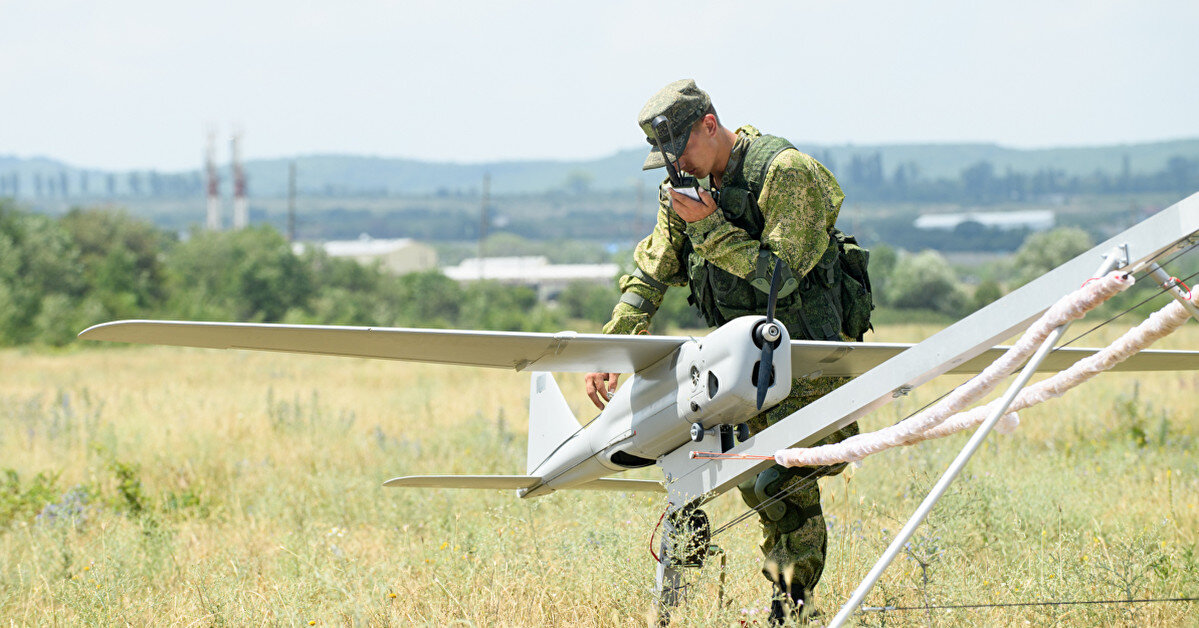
799	202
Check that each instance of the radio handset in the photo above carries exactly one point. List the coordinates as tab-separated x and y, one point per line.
687	186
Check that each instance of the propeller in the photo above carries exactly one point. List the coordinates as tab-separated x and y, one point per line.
767	334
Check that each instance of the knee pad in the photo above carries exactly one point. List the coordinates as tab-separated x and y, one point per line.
783	515
766	487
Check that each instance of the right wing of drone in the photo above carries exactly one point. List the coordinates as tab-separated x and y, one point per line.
560	352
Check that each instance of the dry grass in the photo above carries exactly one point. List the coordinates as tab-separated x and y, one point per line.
260	500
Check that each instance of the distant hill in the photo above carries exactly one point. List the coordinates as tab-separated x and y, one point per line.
349	175
937	161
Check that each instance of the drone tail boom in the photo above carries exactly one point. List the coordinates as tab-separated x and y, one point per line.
551	421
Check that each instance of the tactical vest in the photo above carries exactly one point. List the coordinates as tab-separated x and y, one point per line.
832	299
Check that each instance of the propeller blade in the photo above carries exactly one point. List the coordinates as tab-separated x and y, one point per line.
764	368
774	289
766	365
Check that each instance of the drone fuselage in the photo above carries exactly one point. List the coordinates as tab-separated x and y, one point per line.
708	381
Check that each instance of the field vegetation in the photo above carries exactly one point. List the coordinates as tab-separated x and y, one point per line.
188	487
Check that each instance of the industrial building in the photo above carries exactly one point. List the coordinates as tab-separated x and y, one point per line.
1034	219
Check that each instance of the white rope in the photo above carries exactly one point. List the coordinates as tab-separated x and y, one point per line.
1160	324
916	427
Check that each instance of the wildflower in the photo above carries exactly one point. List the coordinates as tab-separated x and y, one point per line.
444	545
311	622
391	595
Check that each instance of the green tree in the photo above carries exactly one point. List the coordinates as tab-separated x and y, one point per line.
121	258
987	292
494	306
882	264
1046	250
251	274
344	292
425	299
926	282
39	266
589	301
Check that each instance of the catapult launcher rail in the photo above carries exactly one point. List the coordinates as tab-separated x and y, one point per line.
692	479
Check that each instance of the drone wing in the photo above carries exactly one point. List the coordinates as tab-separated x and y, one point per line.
560	352
850	359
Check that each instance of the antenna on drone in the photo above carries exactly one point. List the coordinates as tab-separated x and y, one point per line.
214	184
241	209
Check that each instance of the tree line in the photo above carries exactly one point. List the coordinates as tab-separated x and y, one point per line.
61	275
865	178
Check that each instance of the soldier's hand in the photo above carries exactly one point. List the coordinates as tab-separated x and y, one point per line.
692	210
601	385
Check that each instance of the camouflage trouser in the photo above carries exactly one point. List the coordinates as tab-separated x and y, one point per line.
794	540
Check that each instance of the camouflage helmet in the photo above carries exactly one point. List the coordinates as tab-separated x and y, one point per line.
683	104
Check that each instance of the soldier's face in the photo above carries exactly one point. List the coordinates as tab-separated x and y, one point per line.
699	157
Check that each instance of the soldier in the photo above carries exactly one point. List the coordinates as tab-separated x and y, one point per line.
761	200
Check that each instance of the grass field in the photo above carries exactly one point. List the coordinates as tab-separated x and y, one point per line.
153	485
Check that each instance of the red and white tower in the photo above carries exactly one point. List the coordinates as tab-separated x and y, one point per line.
241	208
214	184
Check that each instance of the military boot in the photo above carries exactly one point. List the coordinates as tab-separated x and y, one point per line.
788	602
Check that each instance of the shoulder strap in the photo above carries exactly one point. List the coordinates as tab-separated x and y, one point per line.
759	157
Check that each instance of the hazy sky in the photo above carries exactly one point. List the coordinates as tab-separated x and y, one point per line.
134	84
